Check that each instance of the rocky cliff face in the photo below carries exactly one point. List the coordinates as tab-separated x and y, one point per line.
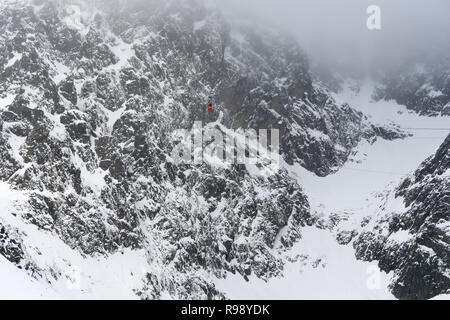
413	240
87	105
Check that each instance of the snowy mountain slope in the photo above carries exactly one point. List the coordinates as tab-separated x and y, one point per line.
414	241
386	165
351	201
415	276
423	87
88	103
85	141
46	268
420	83
15	284
317	268
257	77
382	163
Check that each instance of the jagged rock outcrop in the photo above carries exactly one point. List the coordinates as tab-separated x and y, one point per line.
414	242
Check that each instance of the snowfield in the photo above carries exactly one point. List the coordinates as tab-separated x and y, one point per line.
16	284
354	190
327	271
376	166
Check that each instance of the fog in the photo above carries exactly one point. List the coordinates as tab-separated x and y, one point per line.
335	35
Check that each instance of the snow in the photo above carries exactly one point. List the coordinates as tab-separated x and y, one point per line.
330	272
59	130
322	269
36	8
199	25
75	16
13	60
95	179
400	236
435	93
112	277
113	116
16	284
124	52
275	114
61	72
317	135
7	100
356	189
382	164
442	297
389	112
443	225
16	143
98	278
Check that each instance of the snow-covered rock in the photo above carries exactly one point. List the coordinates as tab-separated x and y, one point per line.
414	240
88	102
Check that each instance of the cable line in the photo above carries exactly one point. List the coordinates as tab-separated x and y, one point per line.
432	129
376	171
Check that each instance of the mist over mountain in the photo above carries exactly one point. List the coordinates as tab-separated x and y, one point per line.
335	34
